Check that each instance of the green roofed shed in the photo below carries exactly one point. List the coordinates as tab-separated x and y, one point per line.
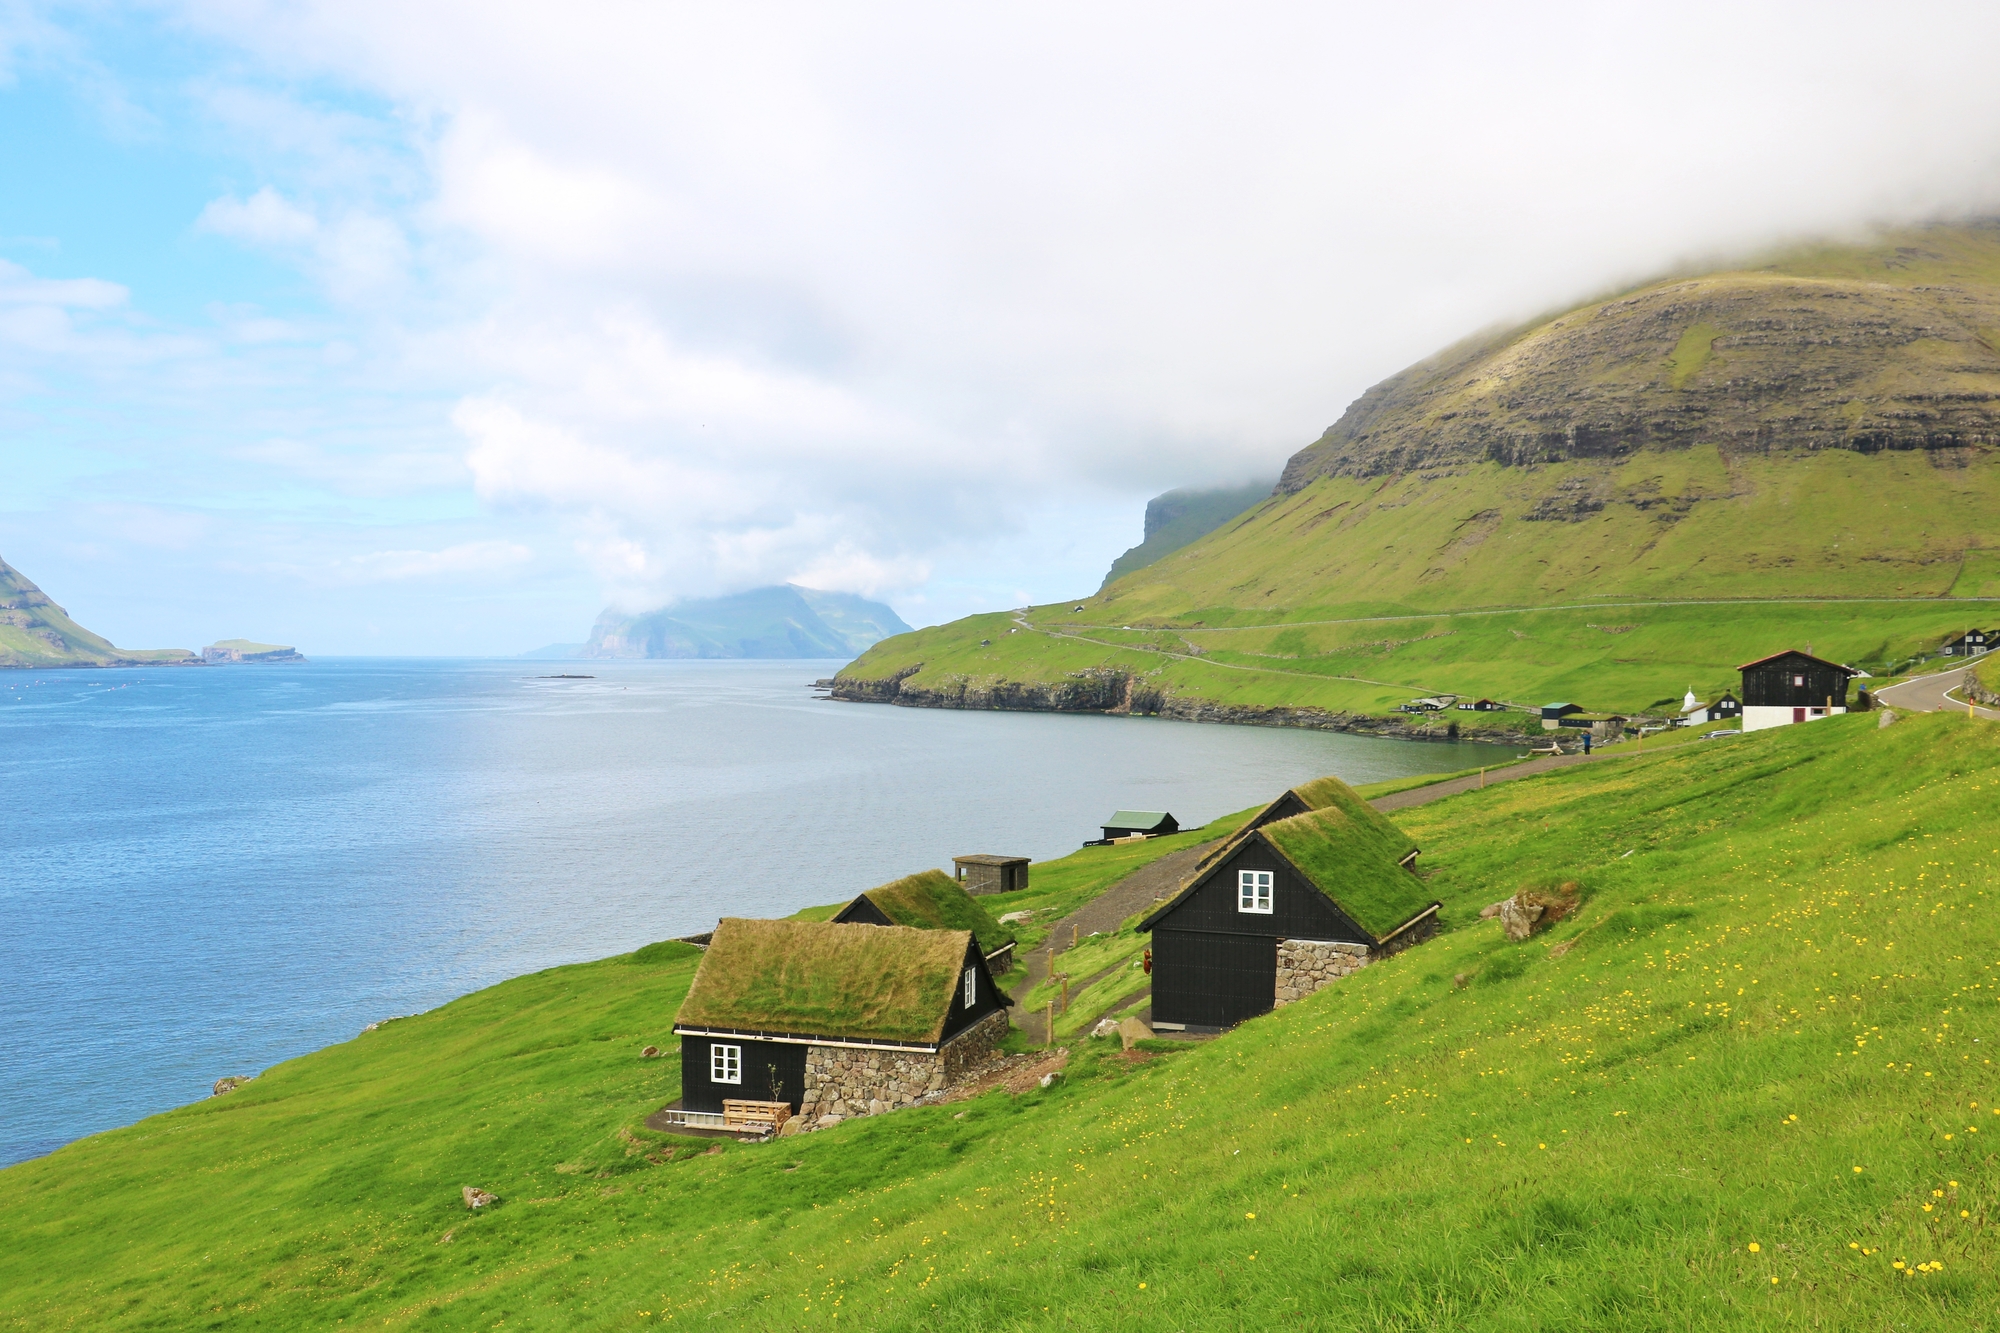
1152	823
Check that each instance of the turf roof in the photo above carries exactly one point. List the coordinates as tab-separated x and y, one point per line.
1353	859
933	900
817	978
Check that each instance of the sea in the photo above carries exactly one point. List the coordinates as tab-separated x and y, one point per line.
212	870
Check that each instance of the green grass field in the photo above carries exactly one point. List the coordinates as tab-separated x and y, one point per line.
1626	658
1746	1086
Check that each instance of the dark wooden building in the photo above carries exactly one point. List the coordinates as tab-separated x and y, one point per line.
1553	714
984	873
1290	902
933	900
1792	687
1972	643
1152	823
778	1007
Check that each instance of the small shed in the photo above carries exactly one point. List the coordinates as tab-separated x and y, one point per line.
835	1019
1553	714
1284	908
1972	643
985	873
1152	823
1792	687
1483	706
933	900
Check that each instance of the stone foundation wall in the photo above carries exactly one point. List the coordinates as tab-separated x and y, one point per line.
843	1081
1416	934
1306	965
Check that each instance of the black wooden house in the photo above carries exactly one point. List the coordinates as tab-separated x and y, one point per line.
1792	687
770	997
1333	878
1972	643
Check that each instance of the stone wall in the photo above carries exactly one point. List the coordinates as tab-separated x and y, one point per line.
1416	934
1306	965
843	1081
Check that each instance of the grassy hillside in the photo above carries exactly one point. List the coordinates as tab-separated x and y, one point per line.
1182	516
1824	426
35	632
1745	1086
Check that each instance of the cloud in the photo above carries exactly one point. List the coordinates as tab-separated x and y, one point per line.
924	300
19	287
467	558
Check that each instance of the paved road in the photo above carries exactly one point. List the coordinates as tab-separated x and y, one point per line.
1932	694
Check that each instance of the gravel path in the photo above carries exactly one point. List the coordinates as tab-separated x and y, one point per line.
1157	881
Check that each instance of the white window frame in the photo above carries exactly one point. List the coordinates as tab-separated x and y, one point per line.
725	1063
971	987
1254	891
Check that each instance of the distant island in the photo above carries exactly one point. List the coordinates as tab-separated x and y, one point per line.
35	632
243	650
781	621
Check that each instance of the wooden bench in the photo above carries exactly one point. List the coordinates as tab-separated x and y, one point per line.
754	1115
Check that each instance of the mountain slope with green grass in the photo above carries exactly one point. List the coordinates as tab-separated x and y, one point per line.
1745	1085
35	632
1811	444
1182	516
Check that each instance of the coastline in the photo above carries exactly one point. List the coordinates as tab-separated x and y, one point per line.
1120	694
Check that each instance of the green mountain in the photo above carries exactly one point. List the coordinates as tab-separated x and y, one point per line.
784	620
35	632
1744	1085
1610	504
1179	517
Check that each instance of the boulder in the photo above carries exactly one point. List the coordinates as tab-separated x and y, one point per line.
1106	1027
1887	718
795	1125
229	1083
1518	919
650	1053
1133	1029
1491	910
476	1198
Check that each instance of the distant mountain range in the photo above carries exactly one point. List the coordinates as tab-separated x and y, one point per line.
784	620
35	632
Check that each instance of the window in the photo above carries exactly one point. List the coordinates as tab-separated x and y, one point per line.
1253	891
971	986
725	1064
1798	680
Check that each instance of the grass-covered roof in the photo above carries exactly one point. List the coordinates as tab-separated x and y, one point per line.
818	978
1352	856
933	900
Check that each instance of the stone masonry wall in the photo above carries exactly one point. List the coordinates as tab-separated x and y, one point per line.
1306	965
842	1081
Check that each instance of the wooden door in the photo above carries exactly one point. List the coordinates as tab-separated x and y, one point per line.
1212	980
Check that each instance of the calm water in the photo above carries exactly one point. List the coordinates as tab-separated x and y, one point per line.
211	870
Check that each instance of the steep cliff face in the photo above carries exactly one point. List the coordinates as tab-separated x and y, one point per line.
1889	346
35	632
782	621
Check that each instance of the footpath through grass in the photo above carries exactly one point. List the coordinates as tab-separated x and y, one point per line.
1746	1086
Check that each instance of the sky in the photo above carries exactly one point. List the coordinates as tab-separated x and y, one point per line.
439	328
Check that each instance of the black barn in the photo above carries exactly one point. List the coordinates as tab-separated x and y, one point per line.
1335	873
1794	680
